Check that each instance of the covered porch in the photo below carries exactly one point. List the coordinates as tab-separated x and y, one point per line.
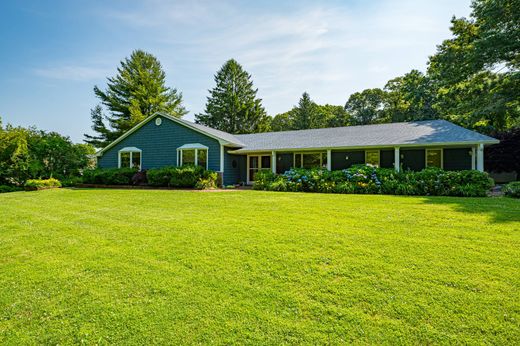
416	158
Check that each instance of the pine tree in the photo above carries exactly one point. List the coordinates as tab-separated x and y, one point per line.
232	105
306	115
135	93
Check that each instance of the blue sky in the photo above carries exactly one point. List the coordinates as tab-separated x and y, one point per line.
53	53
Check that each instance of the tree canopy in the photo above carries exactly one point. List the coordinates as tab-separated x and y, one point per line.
233	105
135	93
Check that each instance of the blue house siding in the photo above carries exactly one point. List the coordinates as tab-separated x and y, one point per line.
234	168
159	145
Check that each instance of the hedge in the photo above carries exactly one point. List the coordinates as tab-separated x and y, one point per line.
9	188
366	179
42	183
185	176
512	189
109	176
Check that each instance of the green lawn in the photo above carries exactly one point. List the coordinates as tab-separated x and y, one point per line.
140	267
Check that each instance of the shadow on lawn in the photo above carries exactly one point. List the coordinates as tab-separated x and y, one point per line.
499	209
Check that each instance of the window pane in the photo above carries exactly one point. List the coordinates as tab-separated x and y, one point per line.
266	162
253	162
311	160
188	157
372	157
202	157
136	160
433	158
125	159
298	160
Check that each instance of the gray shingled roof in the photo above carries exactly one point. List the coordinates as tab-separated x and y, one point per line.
228	137
394	134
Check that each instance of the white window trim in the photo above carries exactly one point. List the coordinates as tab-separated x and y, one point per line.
322	153
378	156
426	156
196	147
130	150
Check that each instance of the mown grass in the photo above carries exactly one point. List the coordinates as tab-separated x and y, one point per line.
141	267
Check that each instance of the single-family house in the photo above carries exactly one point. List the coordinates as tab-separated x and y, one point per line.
163	140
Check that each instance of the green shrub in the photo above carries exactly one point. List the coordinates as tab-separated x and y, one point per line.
263	179
72	181
185	176
512	189
42	183
109	176
365	179
207	181
160	176
9	188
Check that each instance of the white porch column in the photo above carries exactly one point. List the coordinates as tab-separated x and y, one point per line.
480	157
397	159
472	157
329	160
273	161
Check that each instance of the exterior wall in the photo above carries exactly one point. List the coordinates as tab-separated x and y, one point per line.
457	159
413	159
284	162
234	168
159	145
386	158
340	161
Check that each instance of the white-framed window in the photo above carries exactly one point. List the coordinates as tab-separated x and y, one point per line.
373	157
193	154
130	157
310	160
434	158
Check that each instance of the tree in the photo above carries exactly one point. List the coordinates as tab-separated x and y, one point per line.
135	93
366	107
233	105
410	98
282	122
306	115
333	116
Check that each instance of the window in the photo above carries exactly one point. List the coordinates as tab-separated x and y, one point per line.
372	157
310	160
434	158
256	163
130	157
193	154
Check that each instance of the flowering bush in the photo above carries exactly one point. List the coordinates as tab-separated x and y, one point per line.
373	180
512	189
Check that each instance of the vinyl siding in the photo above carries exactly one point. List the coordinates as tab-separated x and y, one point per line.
340	161
159	145
457	159
413	159
234	175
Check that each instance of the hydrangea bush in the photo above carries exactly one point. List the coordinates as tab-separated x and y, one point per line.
366	179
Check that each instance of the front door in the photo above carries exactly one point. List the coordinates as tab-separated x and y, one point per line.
256	163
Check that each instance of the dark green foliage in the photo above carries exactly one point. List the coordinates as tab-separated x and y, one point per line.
27	153
364	179
505	156
185	176
9	188
310	115
366	107
135	93
109	176
512	189
233	105
42	183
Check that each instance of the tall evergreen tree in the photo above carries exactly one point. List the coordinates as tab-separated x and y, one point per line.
135	93
232	105
305	115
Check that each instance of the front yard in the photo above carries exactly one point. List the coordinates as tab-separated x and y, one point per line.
140	267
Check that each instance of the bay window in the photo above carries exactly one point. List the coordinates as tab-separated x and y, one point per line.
193	154
130	157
